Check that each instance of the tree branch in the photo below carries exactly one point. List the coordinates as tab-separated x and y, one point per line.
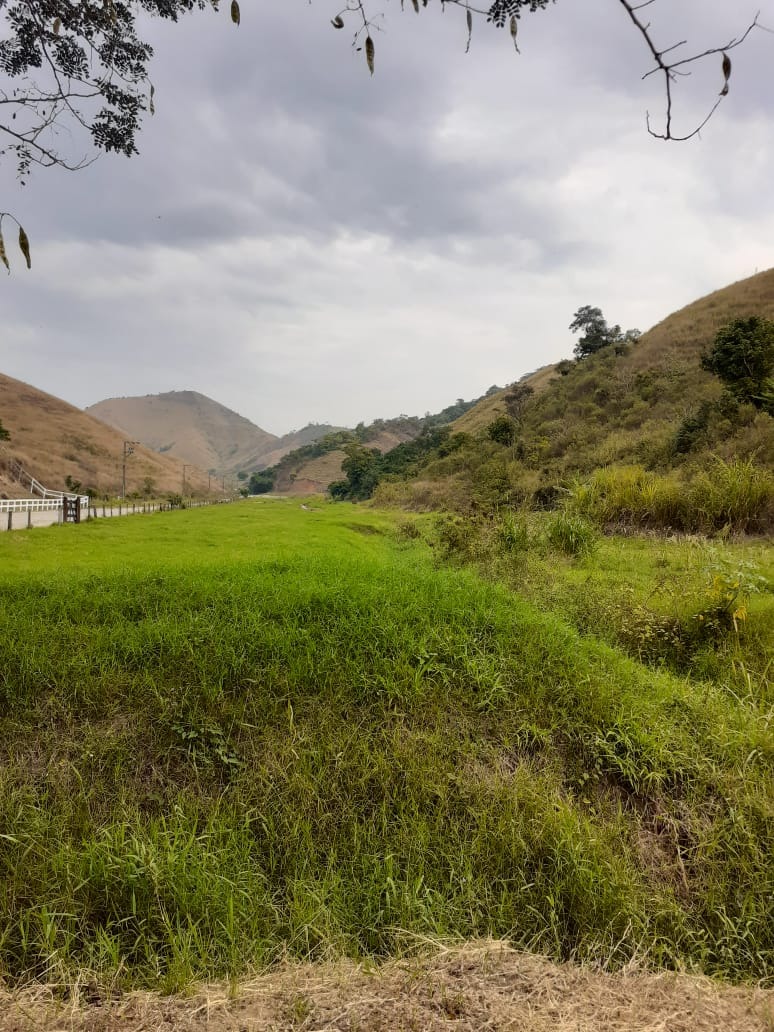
669	69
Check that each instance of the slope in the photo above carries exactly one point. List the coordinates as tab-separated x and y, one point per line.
646	404
54	440
190	426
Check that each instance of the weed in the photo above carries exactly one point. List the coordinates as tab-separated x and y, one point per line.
571	534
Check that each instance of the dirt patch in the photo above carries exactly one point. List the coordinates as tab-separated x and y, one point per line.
474	987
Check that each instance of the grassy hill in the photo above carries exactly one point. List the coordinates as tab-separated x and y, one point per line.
54	440
647	405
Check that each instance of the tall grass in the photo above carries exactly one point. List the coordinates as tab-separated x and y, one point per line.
228	734
737	496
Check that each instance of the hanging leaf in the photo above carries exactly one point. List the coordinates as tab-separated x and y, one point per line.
338	22
57	26
726	74
235	15
151	105
416	5
24	246
469	19
3	255
515	31
369	49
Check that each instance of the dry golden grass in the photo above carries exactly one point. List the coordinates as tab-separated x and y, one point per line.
684	334
312	477
481	415
479	986
53	439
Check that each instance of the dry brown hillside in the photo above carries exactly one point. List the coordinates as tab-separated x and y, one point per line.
53	440
190	426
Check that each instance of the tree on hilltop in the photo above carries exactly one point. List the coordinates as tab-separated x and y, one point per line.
597	334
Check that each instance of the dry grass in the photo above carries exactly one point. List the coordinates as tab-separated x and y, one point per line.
53	440
478	986
490	408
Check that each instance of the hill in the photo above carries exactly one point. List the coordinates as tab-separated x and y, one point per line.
190	427
54	440
313	467
647	404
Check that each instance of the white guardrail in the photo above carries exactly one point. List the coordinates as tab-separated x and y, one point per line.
39	504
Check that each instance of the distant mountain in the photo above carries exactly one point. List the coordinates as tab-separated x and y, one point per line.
54	440
196	429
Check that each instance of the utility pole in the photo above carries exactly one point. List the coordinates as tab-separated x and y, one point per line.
128	450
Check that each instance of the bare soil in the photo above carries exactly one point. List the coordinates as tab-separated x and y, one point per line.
474	987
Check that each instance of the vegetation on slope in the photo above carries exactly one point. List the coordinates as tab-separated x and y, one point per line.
639	411
356	442
234	732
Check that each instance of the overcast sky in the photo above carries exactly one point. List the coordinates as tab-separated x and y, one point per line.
302	242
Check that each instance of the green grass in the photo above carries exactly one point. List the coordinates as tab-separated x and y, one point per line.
238	731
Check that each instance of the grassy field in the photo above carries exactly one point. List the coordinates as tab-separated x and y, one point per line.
241	732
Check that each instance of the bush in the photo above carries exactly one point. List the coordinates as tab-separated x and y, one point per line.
571	534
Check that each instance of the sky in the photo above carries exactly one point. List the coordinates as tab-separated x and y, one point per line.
304	242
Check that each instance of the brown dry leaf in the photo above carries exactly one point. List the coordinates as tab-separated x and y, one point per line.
57	26
3	255
151	105
416	5
24	246
469	19
369	52
337	22
515	31
235	14
726	74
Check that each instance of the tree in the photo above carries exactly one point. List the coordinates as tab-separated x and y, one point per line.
516	398
597	334
4	435
502	430
742	356
75	70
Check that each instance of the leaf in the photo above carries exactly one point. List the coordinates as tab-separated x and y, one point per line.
416	5
3	255
515	31
337	22
469	19
369	49
726	74
151	105
235	15
57	26
24	246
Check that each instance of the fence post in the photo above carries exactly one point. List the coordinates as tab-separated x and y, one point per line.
10	519
29	519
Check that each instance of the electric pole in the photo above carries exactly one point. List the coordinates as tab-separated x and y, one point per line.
128	450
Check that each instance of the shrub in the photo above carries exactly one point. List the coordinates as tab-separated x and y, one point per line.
571	534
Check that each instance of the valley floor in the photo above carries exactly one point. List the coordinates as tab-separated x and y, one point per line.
474	987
